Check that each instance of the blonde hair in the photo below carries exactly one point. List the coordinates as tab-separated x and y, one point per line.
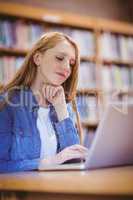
27	73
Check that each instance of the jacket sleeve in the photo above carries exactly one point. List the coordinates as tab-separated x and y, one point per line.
66	130
6	164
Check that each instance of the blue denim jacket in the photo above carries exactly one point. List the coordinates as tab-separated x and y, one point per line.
19	137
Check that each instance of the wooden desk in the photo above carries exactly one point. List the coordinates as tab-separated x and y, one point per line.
111	183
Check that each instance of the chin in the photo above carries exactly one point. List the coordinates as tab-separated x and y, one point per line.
56	83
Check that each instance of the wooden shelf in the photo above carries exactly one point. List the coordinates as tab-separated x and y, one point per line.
90	124
94	91
98	91
58	17
45	15
13	51
117	62
125	92
119	91
115	26
88	59
21	52
67	19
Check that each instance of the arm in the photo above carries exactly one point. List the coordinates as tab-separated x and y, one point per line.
6	164
14	166
66	130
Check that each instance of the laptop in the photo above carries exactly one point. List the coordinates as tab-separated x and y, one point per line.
113	141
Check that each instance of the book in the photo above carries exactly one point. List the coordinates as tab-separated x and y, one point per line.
8	67
87	76
88	108
116	47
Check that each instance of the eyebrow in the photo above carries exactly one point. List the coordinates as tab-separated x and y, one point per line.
65	54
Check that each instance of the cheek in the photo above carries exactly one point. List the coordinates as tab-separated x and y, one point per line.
49	67
56	66
68	75
69	72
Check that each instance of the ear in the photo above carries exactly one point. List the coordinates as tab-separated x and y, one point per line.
37	58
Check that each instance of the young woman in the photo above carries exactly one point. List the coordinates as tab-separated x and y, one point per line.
36	117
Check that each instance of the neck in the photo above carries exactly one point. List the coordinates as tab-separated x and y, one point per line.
36	88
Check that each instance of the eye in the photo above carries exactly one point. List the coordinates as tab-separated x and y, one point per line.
59	58
72	64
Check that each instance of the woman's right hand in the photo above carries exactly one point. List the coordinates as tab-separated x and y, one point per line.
71	152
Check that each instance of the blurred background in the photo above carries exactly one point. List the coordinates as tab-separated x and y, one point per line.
111	9
103	29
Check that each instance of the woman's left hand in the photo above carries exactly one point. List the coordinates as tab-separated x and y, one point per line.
55	95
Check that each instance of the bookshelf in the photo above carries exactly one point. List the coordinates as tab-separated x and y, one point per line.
106	53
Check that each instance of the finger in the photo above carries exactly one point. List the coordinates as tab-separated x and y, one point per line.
79	148
73	152
84	153
68	154
49	92
44	91
74	155
48	89
60	89
54	91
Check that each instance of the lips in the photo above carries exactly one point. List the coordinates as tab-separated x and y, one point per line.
61	74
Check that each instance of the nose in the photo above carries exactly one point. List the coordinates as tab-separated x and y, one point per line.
66	66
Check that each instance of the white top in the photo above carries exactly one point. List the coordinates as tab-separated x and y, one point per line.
47	133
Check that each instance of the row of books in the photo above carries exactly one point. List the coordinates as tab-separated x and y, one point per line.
115	47
88	108
116	96
22	35
84	38
87	75
8	67
89	133
88	136
112	77
116	77
85	41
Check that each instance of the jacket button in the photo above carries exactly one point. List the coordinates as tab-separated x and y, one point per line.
21	132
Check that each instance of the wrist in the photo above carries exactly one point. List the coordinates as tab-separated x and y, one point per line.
62	112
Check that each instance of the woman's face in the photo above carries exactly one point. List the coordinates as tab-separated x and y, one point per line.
56	63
